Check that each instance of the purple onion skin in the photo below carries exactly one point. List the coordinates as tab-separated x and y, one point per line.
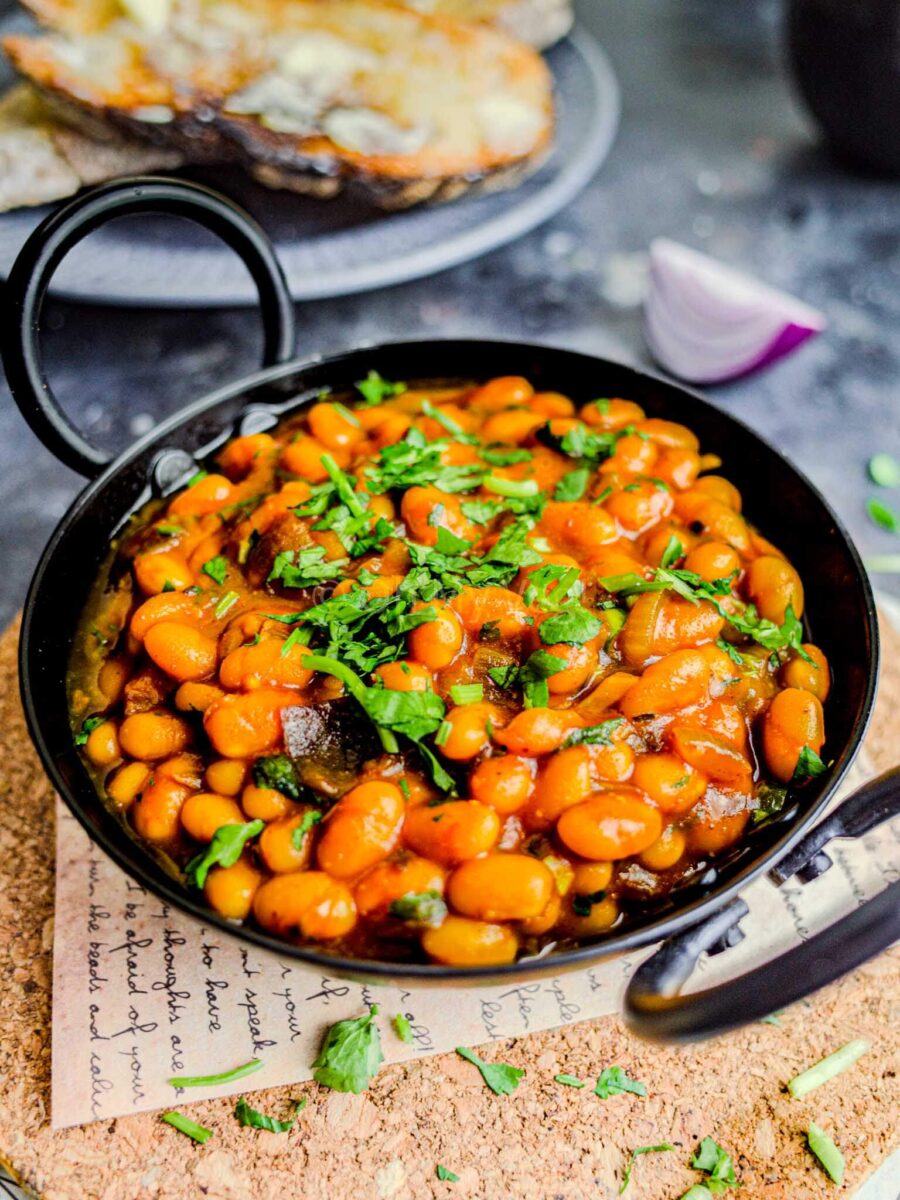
787	341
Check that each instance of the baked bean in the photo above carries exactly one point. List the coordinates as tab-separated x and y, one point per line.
676	681
264	803
230	890
389	881
205	812
712	560
277	845
477	607
794	719
451	832
666	851
304	458
156	810
609	826
672	784
163	571
181	650
538	730
564	779
504	782
466	730
246	725
226	776
610	415
243	454
268	664
311	902
102	745
336	429
501	392
501	887
773	585
127	783
436	643
460	942
813	676
640	505
718	758
591	877
209	494
406	676
361	829
576	527
153	735
720	489
602	916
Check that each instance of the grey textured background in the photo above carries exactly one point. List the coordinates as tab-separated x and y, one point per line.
713	151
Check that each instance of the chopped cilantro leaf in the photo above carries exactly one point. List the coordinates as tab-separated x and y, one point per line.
480	512
278	772
809	766
216	568
306	568
374	389
447	1175
415	462
533	676
573	485
599	735
310	818
499	1077
614	1081
717	1164
770	798
582	903
573	626
419	908
350	1055
87	726
223	851
636	1152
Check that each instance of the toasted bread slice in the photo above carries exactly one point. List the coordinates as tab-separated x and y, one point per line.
43	159
538	22
344	90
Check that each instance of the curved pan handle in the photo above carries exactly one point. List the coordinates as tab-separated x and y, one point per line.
42	253
655	1010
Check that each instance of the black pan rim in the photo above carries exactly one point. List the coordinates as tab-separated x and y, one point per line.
551	962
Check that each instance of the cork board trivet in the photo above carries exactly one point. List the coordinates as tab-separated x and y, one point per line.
545	1141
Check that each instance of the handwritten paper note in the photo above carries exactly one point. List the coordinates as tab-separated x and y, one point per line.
142	992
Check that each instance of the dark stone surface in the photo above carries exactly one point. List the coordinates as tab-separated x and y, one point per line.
713	151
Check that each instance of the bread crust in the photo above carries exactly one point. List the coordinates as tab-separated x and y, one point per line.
309	95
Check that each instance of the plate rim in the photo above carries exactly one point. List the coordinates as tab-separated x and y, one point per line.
428	260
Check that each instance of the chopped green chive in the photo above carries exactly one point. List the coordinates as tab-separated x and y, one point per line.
185	1125
884	470
227	602
883	564
247	1068
402	1028
826	1152
467	693
517	489
827	1068
883	516
569	1081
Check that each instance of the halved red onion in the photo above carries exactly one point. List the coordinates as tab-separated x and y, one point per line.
706	322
